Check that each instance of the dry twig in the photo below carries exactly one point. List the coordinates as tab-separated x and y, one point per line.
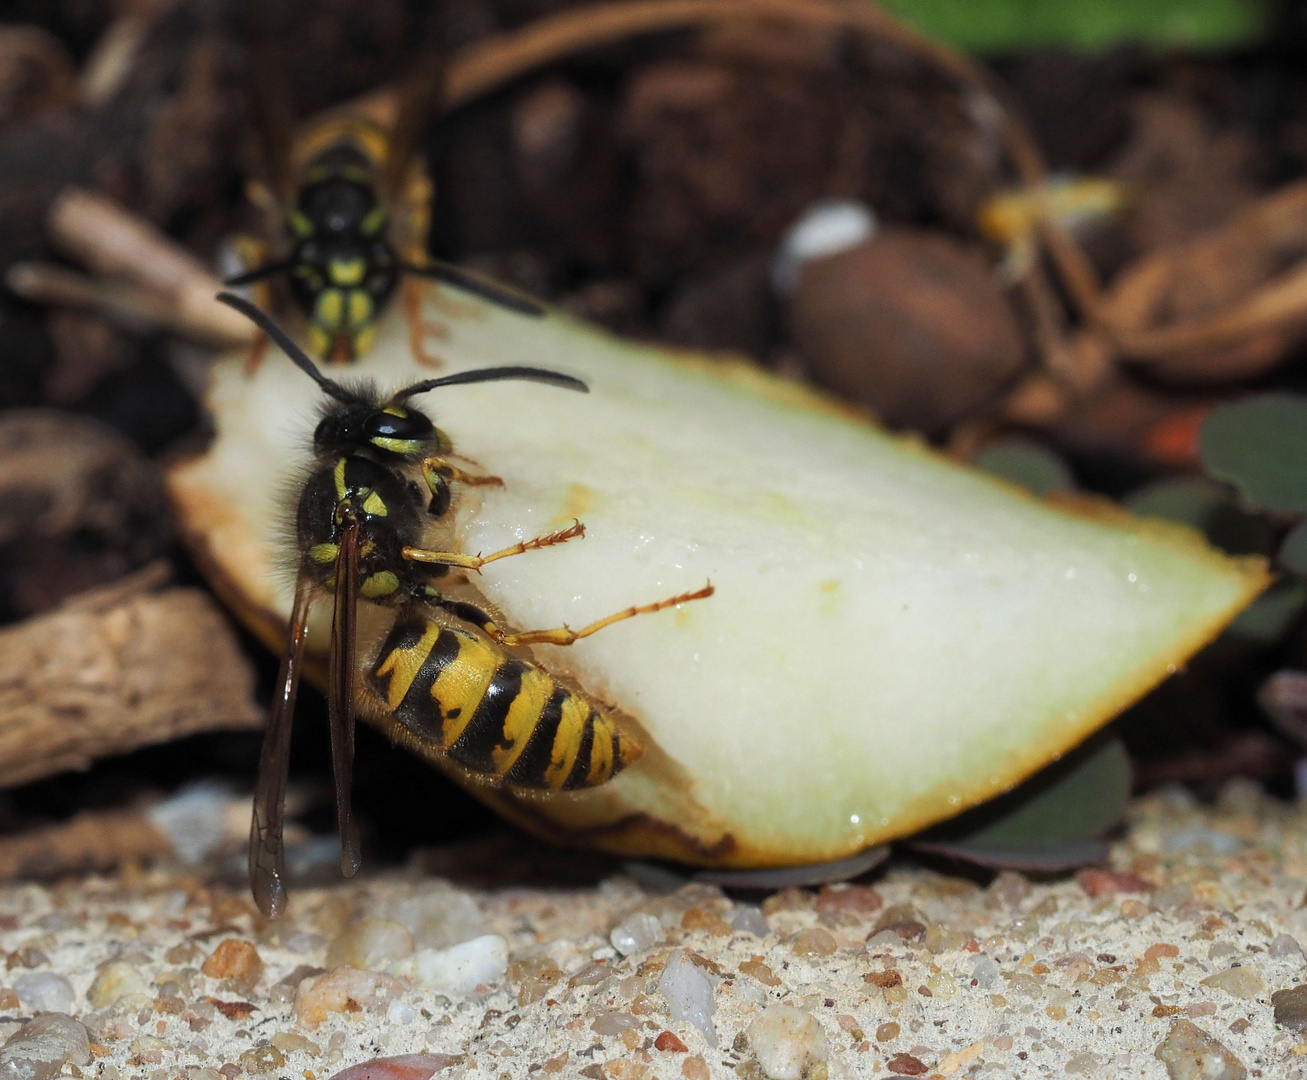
115	669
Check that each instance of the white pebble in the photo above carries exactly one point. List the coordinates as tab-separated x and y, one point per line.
45	992
787	1042
825	228
400	1012
1199	836
604	953
749	992
749	920
636	933
689	993
437	916
370	944
457	971
984	971
195	820
1285	946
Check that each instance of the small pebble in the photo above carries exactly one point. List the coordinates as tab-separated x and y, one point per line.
237	960
45	992
403	1067
370	944
906	1065
290	1043
260	1060
41	1047
1189	1053
114	981
787	1042
748	919
1290	1005
614	1023
437	916
1239	982
1286	947
669	1042
813	943
984	971
636	933
401	1012
343	990
1193	837
457	971
689	993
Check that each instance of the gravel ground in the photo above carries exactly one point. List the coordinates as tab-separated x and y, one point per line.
1178	946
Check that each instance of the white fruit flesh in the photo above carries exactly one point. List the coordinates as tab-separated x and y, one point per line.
893	637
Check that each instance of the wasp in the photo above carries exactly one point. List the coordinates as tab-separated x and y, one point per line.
375	522
351	200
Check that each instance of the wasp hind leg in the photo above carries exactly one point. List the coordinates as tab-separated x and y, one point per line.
562	635
476	562
419	329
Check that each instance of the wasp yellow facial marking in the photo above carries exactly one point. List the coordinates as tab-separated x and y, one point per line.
329	308
359	308
397	446
403	664
324	553
373	223
300	225
338	474
382	583
346	271
375	505
567	742
462	684
523	715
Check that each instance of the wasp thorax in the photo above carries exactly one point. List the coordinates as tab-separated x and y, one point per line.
391	429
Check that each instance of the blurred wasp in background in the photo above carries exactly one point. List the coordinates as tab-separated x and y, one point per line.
348	199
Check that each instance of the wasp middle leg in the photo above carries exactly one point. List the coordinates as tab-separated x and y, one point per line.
419	328
476	562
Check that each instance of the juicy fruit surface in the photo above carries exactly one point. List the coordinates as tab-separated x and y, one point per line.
893	637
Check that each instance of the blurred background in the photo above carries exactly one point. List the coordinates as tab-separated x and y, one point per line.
1098	284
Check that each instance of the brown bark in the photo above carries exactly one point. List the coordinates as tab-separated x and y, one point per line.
116	669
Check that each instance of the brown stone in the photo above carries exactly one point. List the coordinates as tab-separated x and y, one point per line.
913	323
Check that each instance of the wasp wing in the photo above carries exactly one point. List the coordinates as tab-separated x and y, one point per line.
477	284
340	696
267	853
421	97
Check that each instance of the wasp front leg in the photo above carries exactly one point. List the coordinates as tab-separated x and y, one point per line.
476	562
563	635
440	473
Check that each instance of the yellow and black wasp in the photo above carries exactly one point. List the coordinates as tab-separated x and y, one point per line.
375	521
351	199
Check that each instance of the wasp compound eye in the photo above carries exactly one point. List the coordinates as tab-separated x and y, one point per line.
389	425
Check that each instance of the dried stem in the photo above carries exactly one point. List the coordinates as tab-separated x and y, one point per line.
116	669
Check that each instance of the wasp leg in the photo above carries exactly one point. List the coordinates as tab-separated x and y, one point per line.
438	473
258	351
563	635
435	469
419	328
476	562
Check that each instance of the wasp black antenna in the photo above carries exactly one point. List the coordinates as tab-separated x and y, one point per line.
497	374
298	357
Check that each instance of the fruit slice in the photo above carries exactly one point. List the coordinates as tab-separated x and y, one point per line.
893	639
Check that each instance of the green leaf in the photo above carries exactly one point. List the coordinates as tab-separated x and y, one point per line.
1260	446
1293	552
1027	463
1079	798
996	26
1271	615
1206	506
